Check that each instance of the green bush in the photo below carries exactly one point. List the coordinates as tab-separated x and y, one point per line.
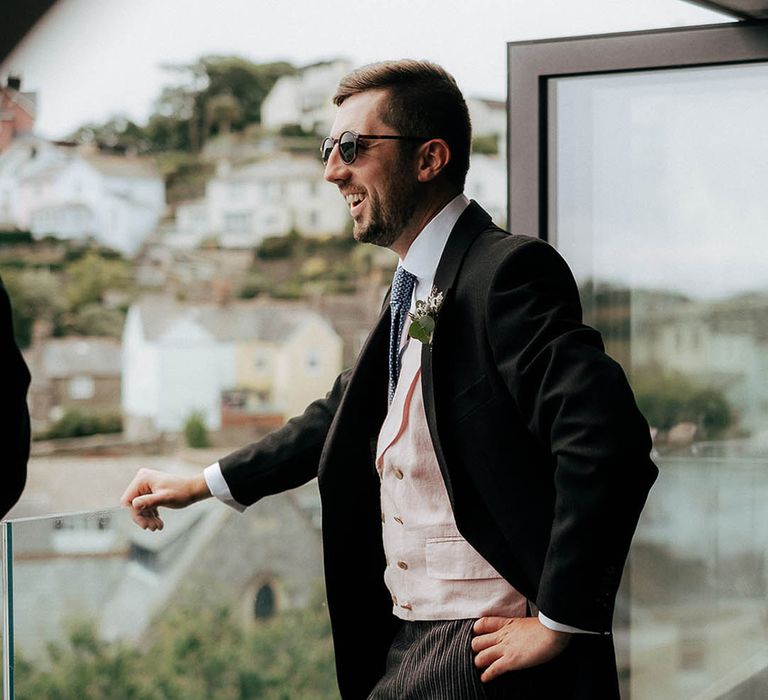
75	423
15	237
278	247
487	144
666	399
190	653
195	431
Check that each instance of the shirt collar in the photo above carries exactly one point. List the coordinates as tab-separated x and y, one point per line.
424	253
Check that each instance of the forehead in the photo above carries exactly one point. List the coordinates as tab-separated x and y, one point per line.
360	113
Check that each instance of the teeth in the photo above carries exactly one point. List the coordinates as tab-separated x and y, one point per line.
352	199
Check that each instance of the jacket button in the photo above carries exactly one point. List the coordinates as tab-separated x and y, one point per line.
398	473
398	520
402	565
407	606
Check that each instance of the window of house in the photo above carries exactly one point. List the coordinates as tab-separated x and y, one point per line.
313	360
81	387
237	222
264	602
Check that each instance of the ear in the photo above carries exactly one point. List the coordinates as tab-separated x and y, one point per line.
431	159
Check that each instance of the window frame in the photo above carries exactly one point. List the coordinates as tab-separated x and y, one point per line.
531	65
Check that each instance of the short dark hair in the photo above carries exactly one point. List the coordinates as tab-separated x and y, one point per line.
424	100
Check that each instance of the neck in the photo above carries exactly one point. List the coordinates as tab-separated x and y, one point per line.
421	217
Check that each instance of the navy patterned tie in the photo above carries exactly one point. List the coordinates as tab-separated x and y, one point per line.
400	303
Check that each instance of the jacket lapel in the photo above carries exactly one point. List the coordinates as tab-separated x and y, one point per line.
364	405
471	223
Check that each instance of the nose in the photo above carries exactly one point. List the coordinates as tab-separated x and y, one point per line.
336	170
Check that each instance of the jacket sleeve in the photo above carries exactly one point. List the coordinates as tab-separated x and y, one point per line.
577	403
287	457
14	416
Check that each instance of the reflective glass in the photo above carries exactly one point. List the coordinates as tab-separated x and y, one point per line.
215	606
657	201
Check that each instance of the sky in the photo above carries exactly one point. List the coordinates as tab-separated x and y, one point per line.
89	60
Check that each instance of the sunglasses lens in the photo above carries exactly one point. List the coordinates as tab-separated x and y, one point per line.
348	146
326	148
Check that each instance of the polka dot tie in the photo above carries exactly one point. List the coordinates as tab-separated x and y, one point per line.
400	303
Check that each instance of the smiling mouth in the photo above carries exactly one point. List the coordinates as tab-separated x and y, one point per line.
354	200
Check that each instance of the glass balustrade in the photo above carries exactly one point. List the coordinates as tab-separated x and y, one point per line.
217	605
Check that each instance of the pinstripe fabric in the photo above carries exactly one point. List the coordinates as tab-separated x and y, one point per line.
433	660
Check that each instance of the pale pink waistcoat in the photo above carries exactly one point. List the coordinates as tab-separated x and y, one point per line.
432	572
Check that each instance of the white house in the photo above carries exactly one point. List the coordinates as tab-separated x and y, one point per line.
489	118
271	197
487	183
182	358
78	193
304	99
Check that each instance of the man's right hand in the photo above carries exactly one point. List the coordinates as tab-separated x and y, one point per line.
151	489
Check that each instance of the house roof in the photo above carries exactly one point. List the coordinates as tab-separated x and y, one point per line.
275	169
94	356
26	100
271	322
122	166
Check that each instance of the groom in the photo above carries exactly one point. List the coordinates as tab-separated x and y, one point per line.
482	469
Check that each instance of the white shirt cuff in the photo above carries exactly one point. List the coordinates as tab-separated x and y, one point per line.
219	487
560	627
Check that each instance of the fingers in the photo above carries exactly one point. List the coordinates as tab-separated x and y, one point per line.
140	484
143	496
483	641
148	501
490	624
488	656
148	519
494	670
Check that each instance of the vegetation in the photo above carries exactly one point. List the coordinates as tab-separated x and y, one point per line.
14	237
67	290
193	653
76	423
213	96
486	144
195	431
667	399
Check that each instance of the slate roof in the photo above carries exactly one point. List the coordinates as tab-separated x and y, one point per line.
94	356
122	166
280	168
271	322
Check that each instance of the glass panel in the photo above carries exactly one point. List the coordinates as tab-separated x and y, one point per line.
660	209
215	606
6	670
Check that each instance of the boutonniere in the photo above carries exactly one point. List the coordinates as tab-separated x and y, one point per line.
423	319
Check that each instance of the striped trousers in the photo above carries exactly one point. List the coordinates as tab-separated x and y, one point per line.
433	660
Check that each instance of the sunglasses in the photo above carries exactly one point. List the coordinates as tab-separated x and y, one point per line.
348	144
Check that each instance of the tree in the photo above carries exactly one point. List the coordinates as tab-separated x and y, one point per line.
668	398
195	431
34	294
92	275
117	134
93	319
192	653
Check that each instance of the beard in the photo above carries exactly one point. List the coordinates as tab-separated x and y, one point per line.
389	213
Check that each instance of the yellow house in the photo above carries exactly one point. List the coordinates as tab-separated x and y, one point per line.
291	359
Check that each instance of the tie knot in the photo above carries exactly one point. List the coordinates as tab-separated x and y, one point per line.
402	288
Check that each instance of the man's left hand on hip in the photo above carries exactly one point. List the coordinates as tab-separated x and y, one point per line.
504	644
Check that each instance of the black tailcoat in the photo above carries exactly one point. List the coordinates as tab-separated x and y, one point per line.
14	416
543	451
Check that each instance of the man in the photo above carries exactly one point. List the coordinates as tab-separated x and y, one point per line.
493	443
14	416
